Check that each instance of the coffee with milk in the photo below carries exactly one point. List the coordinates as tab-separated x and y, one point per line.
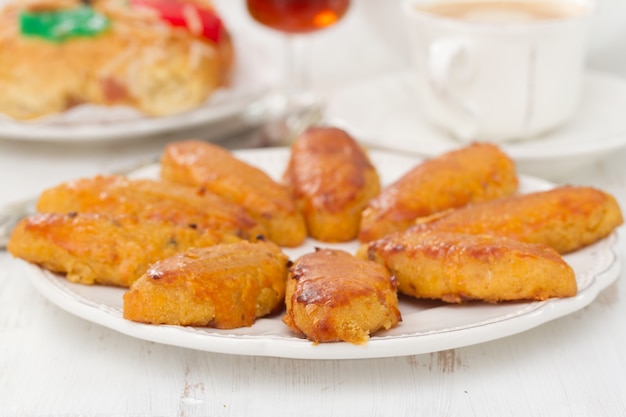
503	11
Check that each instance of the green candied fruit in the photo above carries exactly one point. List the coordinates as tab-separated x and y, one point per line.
60	25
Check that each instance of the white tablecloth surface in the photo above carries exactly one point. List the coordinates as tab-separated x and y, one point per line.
55	364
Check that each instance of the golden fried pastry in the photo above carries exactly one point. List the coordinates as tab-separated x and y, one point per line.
160	57
100	249
210	166
332	180
223	286
478	172
150	199
333	296
566	218
456	267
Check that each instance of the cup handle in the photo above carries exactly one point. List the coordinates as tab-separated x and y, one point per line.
450	63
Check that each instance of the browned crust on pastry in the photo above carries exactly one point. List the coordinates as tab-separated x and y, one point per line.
333	296
210	166
566	218
478	172
223	286
150	199
456	267
100	249
332	180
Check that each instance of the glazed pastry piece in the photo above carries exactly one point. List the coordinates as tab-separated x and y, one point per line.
332	180
100	249
479	172
212	167
110	52
456	267
224	286
566	218
333	296
150	199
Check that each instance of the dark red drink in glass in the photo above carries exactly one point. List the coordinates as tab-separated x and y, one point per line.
297	16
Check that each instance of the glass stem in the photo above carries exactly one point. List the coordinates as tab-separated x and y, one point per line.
297	76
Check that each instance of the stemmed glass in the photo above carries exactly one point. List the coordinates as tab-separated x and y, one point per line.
295	19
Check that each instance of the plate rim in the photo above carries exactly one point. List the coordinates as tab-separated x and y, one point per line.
49	285
142	127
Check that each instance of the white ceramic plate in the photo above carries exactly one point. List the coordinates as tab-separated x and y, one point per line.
122	123
386	112
426	326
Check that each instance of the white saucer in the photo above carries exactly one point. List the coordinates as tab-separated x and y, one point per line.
385	112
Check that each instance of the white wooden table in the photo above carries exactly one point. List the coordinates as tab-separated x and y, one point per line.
55	364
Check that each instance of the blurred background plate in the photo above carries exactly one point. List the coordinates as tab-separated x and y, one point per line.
120	124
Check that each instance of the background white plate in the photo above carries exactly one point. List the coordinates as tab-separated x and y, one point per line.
385	112
113	124
426	327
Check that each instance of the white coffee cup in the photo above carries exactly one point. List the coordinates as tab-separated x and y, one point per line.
499	70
